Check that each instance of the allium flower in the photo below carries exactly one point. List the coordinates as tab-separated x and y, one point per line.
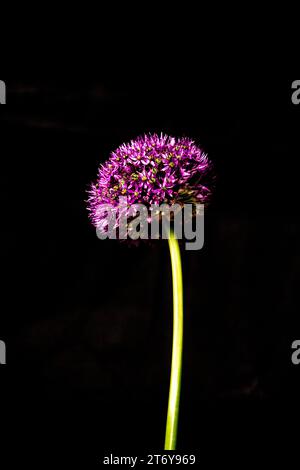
149	170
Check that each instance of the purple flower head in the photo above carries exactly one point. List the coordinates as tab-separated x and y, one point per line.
150	170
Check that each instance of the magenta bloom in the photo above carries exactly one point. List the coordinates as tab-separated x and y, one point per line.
152	169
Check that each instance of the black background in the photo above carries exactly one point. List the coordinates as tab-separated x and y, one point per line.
87	323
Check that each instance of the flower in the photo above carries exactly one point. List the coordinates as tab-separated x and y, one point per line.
152	169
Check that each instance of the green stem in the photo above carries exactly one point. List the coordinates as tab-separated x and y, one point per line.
175	383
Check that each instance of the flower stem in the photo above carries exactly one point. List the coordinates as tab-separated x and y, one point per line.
175	383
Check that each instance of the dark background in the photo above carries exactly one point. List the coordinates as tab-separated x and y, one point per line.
88	323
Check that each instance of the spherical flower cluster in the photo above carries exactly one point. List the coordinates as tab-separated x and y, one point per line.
152	169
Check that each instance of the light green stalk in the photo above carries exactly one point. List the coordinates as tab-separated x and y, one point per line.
175	383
